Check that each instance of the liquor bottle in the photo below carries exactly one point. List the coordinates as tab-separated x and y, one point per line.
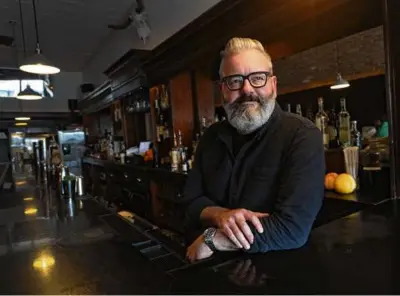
184	158
161	128
166	130
175	155
355	135
298	110
333	129
288	108
309	114
321	121
203	125
164	97
344	124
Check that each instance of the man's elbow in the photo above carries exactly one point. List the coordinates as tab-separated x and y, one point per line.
290	236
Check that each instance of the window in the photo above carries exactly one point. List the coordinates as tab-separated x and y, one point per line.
10	88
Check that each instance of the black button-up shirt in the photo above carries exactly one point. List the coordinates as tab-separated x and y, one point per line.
279	170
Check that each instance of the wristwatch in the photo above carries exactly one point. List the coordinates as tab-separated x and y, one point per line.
209	234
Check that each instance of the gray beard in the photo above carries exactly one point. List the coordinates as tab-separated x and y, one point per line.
246	121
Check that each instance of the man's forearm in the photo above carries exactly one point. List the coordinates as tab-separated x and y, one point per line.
209	215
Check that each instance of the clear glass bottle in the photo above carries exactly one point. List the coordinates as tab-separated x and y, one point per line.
289	108
333	128
309	114
344	124
298	110
175	155
321	121
355	135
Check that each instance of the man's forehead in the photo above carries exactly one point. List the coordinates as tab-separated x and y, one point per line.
248	57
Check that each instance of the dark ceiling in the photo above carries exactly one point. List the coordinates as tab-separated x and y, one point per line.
285	27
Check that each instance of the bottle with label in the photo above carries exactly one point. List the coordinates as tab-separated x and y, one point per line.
175	155
166	130
164	97
298	110
288	108
344	124
355	135
332	129
321	121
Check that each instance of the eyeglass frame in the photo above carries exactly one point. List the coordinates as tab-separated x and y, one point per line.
244	77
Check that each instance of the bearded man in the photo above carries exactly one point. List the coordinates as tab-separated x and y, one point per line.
257	180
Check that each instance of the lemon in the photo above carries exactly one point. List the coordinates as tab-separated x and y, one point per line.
345	184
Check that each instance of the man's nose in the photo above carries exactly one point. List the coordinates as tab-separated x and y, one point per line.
247	88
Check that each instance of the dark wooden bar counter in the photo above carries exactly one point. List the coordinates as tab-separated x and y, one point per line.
152	193
155	194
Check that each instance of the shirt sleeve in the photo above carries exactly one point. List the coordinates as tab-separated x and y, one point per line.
194	198
300	195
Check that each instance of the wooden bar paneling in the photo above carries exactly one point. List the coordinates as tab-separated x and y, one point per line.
182	106
205	96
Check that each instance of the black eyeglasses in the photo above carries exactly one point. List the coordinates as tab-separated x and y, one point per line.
256	79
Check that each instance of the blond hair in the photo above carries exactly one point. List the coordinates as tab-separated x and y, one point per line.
236	45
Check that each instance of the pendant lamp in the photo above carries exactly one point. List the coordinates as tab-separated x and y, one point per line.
28	93
340	82
38	63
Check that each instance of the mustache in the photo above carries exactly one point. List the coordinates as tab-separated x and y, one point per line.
245	99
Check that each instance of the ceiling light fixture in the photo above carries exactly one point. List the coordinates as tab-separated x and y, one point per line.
22	118
21	124
38	63
28	94
340	82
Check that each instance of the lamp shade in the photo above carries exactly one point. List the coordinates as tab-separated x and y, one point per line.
340	82
29	94
38	64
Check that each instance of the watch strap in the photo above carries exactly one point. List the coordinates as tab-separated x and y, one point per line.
209	234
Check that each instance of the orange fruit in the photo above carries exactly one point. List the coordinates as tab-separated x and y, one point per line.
345	184
330	181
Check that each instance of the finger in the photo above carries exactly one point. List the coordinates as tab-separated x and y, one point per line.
228	232
245	269
238	268
240	237
252	275
262	280
247	264
257	224
246	231
261	215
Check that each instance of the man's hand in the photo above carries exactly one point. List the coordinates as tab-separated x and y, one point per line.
198	250
234	225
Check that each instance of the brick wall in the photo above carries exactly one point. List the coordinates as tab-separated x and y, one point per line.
359	55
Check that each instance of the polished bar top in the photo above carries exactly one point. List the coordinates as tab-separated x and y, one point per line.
50	245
